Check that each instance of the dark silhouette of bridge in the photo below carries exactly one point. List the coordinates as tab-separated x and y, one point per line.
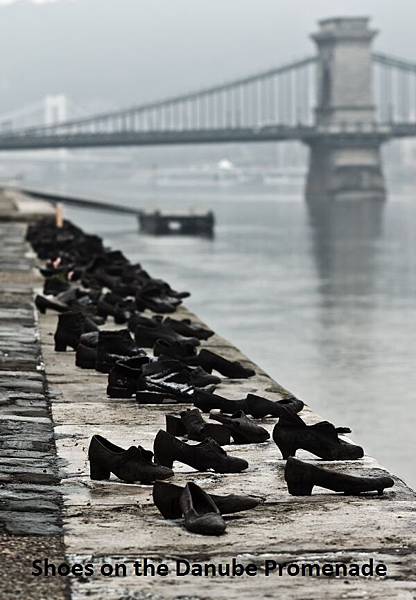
344	102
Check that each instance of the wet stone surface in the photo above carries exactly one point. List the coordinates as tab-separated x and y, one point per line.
30	496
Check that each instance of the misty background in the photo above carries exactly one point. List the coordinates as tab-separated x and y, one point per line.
107	54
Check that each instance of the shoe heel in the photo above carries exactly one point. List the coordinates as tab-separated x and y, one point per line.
98	473
41	309
163	460
118	392
286	450
163	452
300	489
60	346
174	425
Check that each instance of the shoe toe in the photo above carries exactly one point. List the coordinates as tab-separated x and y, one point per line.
237	465
163	472
208	524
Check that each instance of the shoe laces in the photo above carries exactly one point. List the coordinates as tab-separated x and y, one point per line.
139	453
211	443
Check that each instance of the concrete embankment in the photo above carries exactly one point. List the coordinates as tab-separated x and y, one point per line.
51	509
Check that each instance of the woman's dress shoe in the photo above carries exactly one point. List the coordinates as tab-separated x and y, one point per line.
200	513
291	434
134	464
242	429
233	369
301	477
259	407
206	455
190	423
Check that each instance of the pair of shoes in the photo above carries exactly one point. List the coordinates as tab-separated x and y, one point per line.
301	477
201	512
291	433
189	423
131	465
211	361
237	426
202	457
166	497
253	405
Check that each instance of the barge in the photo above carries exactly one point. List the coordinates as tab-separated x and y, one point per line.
177	223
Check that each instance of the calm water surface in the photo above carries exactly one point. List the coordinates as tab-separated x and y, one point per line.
323	297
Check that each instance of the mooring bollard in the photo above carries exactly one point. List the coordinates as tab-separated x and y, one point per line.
59	215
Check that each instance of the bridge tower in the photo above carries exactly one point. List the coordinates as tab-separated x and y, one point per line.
344	162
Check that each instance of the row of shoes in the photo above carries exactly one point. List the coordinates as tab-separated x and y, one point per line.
86	283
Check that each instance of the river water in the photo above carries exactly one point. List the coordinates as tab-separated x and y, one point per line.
322	296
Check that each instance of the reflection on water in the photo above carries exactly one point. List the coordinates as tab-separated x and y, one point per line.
321	295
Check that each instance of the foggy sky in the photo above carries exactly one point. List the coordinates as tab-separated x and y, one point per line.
115	53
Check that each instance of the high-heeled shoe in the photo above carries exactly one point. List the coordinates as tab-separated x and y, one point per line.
259	407
134	464
191	424
301	477
291	433
200	513
242	429
166	498
206	455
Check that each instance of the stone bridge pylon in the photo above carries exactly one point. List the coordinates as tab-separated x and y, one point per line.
344	162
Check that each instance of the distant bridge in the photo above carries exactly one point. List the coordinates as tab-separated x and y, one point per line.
343	103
